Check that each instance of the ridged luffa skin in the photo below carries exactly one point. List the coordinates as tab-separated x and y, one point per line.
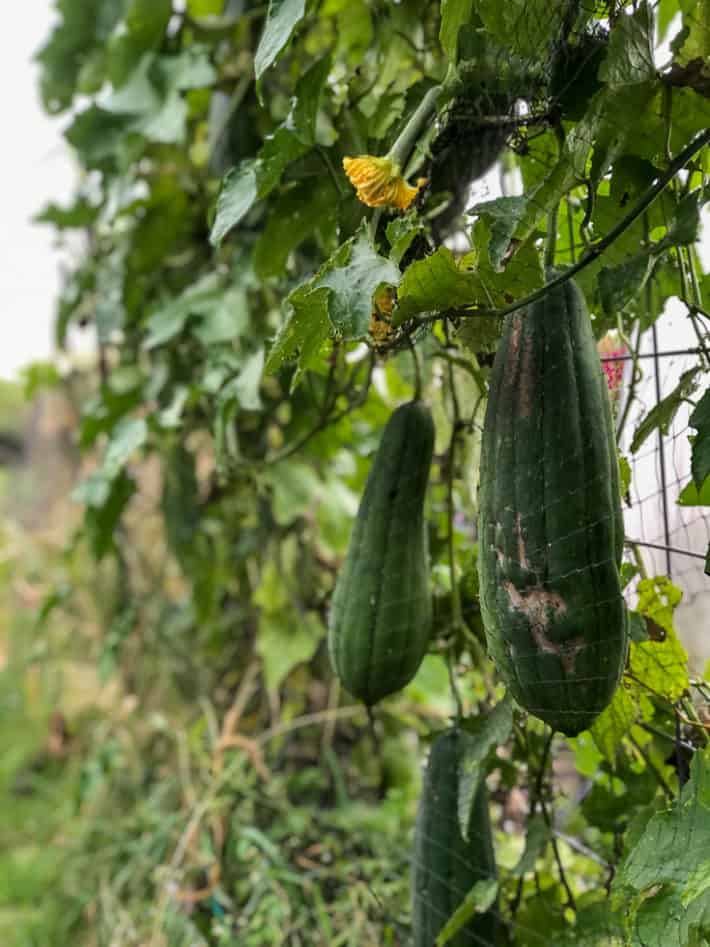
380	619
551	528
445	867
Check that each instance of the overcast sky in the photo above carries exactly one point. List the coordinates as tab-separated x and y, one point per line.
34	168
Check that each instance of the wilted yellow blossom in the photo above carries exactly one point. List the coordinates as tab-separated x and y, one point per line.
384	302
380	329
379	182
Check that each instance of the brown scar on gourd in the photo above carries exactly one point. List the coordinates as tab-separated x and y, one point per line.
515	333
524	367
537	604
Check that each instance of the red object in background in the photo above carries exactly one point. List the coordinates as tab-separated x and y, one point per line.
611	351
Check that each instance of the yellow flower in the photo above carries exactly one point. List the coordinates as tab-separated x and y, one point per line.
379	182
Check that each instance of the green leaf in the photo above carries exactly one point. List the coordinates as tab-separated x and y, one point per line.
226	435
226	320
697	883
272	595
620	285
189	69
305	104
478	900
663	919
541	911
358	273
638	628
164	325
205	8
657	599
700	457
503	216
354	27
110	312
168	125
101	519
400	233
97	136
692	45
662	414
480	334
279	150
107	491
254	179
615	721
676	842
293	217
611	125
524	26
691	496
138	95
547	195
629	57
180	504
435	284
454	15
237	195
661	665
129	435
628	572
39	376
596	924
82	213
296	489
201	299
245	387
285	640
624	475
82	29
303	333
482	734
685	226
147	20
536	838
282	18
522	273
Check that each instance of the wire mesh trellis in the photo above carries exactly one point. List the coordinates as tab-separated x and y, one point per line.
673	538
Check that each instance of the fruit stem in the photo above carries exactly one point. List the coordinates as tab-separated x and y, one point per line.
405	141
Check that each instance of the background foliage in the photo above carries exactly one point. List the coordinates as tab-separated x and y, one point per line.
251	347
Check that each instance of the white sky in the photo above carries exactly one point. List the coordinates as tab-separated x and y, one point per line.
34	168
